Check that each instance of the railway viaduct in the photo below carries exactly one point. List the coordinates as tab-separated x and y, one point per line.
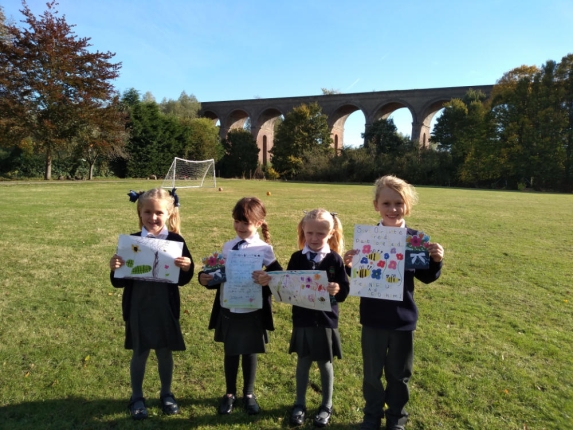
423	104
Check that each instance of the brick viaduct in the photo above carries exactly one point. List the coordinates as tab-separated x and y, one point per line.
423	104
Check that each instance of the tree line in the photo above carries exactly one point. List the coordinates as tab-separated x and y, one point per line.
60	115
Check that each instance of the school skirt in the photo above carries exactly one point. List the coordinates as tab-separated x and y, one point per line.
241	333
321	343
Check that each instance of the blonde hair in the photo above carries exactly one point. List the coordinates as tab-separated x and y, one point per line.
336	240
252	210
406	190
174	221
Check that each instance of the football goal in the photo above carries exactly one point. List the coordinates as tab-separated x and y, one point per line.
190	174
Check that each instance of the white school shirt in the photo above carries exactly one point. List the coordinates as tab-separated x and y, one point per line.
162	234
253	243
320	254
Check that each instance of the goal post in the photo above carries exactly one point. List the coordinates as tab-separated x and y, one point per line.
190	174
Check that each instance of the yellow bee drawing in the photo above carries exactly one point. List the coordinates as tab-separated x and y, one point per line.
392	279
363	272
374	256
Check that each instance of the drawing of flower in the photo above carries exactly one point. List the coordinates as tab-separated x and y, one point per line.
415	241
366	249
386	256
400	256
213	261
381	264
393	251
376	273
364	260
167	266
392	264
316	276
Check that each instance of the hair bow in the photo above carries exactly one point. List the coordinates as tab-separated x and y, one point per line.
134	195
175	197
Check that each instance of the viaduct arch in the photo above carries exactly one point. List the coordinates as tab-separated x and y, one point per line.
423	104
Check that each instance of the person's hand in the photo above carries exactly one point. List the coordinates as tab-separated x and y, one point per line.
261	277
184	263
333	288
115	262
204	279
348	257
436	251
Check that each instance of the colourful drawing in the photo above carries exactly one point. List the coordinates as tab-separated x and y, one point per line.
417	255
239	290
378	267
215	266
304	288
148	259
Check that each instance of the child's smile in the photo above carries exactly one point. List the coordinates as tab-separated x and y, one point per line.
391	207
154	215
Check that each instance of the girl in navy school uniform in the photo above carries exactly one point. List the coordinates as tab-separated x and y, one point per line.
151	309
387	325
244	331
315	335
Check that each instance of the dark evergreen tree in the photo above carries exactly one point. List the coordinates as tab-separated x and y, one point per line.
241	154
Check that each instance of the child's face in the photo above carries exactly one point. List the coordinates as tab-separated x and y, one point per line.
245	229
391	207
316	234
154	215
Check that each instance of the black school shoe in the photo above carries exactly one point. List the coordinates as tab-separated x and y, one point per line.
322	417
297	415
137	413
226	405
250	404
169	405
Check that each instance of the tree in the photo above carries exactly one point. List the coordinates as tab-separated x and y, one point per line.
202	141
241	154
381	137
185	107
103	136
51	86
303	129
465	131
329	91
154	138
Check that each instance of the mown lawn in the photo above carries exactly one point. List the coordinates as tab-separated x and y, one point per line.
493	346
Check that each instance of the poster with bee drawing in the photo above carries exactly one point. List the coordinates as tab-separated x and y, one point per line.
148	259
304	288
378	267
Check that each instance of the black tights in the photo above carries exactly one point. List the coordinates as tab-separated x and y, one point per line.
249	366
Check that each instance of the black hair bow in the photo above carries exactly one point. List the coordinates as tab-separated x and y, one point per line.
134	195
175	197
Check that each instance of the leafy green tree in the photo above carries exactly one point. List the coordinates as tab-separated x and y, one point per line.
241	154
303	129
103	137
564	77
154	138
381	137
202	140
465	131
51	86
185	107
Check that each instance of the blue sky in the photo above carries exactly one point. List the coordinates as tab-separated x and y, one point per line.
229	50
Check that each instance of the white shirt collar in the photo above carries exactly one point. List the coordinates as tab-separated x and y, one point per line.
251	239
320	254
162	234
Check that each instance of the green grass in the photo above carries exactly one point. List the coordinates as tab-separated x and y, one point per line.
493	347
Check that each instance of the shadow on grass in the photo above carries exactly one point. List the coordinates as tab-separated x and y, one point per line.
81	413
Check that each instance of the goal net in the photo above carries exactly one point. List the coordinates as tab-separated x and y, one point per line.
190	174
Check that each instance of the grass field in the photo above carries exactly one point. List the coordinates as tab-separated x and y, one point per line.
493	348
